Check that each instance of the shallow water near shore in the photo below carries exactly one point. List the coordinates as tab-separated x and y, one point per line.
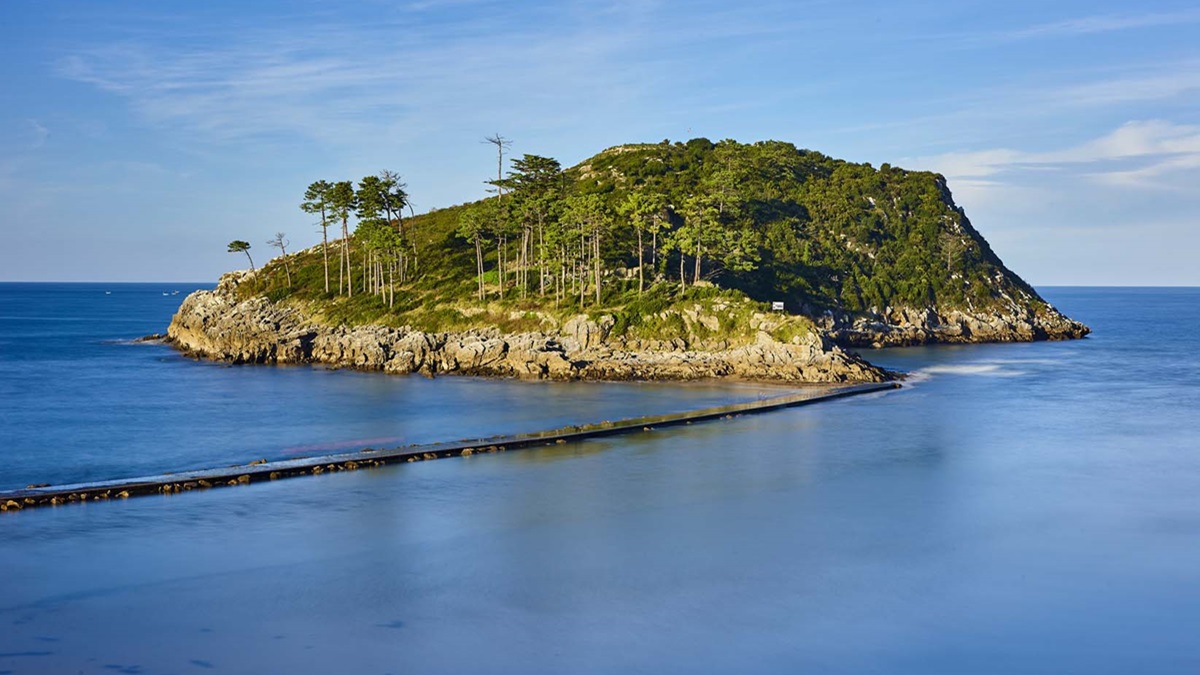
1027	508
85	402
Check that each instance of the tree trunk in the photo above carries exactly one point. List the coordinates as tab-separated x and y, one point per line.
346	254
641	263
560	290
479	265
325	248
526	236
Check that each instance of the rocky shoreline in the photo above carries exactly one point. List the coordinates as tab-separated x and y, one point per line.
906	326
218	325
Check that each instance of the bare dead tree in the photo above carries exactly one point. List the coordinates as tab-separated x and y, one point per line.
501	144
281	243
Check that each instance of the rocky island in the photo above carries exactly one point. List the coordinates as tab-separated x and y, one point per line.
659	261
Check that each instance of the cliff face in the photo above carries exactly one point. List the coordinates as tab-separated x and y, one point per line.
217	325
1013	312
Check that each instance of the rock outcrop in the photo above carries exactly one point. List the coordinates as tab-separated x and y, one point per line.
903	326
218	325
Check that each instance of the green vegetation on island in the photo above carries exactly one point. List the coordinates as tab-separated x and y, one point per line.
638	229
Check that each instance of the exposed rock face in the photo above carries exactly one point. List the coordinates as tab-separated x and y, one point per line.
909	326
216	325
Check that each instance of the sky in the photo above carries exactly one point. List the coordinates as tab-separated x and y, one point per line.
138	138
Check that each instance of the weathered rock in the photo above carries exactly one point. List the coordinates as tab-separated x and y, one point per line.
581	334
1017	322
217	325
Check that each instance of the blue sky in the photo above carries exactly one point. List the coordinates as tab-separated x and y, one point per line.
138	138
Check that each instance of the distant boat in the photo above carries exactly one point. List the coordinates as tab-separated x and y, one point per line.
165	293
174	292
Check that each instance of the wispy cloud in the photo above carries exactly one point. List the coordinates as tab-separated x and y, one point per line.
38	133
1141	154
1103	23
1162	83
426	5
400	76
971	115
415	87
1106	88
1158	174
343	82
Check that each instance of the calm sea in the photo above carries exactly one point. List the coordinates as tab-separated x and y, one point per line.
1030	508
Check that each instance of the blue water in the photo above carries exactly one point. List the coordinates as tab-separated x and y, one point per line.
1030	508
83	402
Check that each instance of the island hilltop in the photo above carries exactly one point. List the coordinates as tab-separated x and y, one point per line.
663	261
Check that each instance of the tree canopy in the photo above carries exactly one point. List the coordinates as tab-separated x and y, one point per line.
767	219
239	246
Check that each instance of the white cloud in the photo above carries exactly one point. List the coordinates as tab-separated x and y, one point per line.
1140	139
428	5
349	82
430	66
39	133
1172	174
1105	23
1136	154
1077	98
1173	81
1116	208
